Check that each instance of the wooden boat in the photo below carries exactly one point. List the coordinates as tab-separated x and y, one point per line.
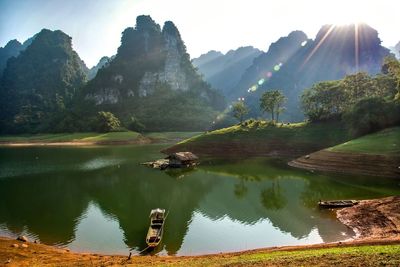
154	234
337	203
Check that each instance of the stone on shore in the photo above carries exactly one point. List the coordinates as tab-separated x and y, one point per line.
23	238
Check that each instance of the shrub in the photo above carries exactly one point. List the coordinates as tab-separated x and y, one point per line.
372	114
107	122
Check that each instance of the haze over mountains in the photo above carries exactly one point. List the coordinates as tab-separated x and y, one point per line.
151	84
224	71
294	63
396	50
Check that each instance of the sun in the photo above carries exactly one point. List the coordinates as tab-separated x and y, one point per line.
354	12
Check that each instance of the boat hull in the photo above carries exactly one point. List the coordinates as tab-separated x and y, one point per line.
337	203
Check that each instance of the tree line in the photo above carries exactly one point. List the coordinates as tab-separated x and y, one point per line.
271	102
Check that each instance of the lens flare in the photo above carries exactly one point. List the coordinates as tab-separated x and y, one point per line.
277	68
260	82
303	43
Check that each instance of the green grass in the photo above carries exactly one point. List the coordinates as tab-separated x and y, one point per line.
72	137
96	137
378	255
261	130
386	142
171	135
312	136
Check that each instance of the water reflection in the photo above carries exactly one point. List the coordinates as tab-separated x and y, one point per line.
98	199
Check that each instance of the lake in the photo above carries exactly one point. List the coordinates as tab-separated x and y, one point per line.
98	199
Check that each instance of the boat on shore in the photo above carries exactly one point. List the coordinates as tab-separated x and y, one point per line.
154	234
337	203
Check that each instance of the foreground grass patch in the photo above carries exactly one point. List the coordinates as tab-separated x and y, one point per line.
388	255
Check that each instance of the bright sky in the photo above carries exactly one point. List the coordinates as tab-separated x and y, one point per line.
96	25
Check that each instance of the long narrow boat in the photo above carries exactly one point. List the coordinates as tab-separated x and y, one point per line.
154	234
337	203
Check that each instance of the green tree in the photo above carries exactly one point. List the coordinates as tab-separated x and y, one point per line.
107	122
391	66
357	86
372	114
239	110
272	102
324	100
136	125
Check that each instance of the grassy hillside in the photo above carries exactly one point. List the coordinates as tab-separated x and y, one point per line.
260	138
376	154
386	142
93	137
72	137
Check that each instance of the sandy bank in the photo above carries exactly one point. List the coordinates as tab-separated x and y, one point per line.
312	255
140	140
355	163
373	219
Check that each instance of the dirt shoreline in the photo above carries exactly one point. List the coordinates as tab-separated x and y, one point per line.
13	253
238	149
373	219
355	163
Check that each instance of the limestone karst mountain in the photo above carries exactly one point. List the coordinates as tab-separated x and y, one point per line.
40	81
12	49
102	62
152	80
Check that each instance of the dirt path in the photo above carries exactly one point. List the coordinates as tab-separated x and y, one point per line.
373	219
363	164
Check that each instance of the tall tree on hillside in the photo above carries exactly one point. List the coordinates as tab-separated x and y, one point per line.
272	102
391	66
358	86
239	110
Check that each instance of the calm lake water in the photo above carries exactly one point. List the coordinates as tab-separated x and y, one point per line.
98	199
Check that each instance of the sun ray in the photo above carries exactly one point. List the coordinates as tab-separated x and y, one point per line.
356	45
318	45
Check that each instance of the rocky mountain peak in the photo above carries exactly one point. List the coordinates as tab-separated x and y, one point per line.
13	44
145	23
